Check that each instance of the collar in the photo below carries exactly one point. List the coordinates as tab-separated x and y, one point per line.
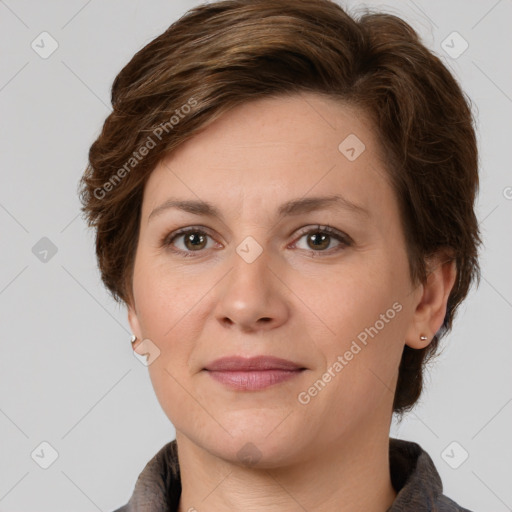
413	475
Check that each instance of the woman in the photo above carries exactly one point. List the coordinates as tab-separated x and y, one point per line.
283	198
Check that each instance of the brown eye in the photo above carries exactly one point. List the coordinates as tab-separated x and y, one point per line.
188	241
318	240
324	239
194	240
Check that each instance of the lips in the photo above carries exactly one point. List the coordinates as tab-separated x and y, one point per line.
252	374
251	364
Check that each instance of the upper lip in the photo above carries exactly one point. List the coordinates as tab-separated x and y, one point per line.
237	363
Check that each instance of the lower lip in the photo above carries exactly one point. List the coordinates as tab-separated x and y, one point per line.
253	380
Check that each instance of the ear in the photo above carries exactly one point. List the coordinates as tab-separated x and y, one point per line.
133	320
433	297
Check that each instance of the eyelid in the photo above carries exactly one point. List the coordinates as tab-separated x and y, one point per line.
324	228
168	238
342	237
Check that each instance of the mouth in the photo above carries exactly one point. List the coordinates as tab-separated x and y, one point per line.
252	374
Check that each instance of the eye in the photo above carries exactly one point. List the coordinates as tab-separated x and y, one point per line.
320	239
192	241
187	241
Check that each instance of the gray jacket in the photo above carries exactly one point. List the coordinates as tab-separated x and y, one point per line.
413	475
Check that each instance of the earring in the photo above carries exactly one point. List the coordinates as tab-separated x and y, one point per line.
423	338
134	339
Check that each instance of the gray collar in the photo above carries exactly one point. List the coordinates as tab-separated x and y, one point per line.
413	475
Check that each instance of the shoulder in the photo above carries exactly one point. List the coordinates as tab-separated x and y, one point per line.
416	480
445	504
158	484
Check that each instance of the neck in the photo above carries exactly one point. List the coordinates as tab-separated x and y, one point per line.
350	475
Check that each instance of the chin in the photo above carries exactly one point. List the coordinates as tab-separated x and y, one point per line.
257	454
256	440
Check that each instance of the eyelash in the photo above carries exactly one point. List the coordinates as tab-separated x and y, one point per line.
345	240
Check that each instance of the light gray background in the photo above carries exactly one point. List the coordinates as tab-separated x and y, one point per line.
68	376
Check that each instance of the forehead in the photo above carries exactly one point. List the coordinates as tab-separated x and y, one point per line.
274	149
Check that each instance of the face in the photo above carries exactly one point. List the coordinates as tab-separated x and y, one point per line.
300	257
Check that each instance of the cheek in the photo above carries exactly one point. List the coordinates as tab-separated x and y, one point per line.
356	298
164	296
168	308
365	309
362	357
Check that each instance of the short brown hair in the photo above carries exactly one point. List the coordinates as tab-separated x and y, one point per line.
226	53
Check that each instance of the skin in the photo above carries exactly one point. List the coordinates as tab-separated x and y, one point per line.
295	301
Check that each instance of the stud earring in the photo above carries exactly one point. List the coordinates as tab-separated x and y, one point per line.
134	339
423	338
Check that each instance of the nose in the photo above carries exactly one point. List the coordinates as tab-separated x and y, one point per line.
252	297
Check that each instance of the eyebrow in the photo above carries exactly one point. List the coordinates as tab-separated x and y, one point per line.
290	208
